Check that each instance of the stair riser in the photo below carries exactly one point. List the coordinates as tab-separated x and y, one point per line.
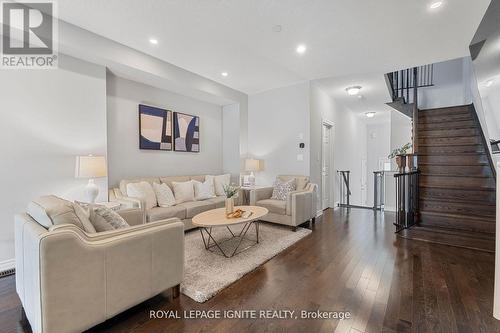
460	182
440	119
458	208
458	224
440	133
460	141
459	160
458	170
450	150
446	111
447	125
458	195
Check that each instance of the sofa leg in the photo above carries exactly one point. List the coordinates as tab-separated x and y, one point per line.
176	291
294	229
314	220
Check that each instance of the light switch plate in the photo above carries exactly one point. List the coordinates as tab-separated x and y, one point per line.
300	157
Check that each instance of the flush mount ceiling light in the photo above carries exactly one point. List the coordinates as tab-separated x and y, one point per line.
354	90
489	83
436	5
301	49
153	41
370	114
224	74
277	28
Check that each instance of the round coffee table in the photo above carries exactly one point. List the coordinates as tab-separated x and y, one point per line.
217	218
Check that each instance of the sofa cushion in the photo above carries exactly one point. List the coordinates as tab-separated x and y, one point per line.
274	206
300	181
50	210
198	178
195	207
282	189
179	179
161	213
164	195
144	191
183	192
125	182
220	182
219	201
203	190
104	219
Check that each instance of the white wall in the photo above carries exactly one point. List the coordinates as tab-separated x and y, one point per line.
231	141
47	118
127	160
276	119
378	146
448	89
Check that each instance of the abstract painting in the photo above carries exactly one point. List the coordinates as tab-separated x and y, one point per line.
186	133
155	128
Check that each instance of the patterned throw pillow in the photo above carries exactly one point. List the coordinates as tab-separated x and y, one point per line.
103	218
281	189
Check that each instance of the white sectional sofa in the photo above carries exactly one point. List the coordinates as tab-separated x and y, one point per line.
184	211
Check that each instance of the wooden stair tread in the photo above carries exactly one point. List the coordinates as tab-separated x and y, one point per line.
457	216
475	241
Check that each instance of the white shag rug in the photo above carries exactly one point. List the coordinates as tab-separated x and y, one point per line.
207	273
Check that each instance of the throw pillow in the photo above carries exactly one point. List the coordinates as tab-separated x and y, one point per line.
164	195
220	182
282	189
183	191
84	216
144	191
105	219
211	179
203	190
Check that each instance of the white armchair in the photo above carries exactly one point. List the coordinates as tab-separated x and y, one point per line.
69	280
299	207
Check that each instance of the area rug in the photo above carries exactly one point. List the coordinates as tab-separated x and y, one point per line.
207	273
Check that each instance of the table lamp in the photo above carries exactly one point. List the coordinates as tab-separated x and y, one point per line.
252	165
91	167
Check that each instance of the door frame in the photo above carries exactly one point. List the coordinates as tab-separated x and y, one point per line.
331	203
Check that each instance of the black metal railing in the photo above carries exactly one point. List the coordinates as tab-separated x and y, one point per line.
495	146
402	82
345	191
407	197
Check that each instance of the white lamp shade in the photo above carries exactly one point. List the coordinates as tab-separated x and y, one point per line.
252	164
90	166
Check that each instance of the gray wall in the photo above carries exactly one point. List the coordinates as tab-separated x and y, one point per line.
46	119
231	141
127	160
276	120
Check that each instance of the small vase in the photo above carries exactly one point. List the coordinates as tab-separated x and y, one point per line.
229	205
410	161
401	162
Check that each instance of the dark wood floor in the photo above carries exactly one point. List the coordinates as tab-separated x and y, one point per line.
351	262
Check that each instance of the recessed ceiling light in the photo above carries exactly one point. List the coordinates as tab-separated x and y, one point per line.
224	74
360	96
354	90
436	5
489	83
370	114
153	41
301	49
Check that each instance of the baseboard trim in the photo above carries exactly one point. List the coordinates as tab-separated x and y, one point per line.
319	213
7	267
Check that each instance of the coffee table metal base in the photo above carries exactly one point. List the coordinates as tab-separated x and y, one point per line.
212	245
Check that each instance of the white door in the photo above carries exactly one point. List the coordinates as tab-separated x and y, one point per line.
326	169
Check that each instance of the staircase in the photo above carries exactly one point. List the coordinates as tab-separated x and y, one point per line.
457	182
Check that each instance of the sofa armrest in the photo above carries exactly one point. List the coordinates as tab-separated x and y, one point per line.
260	194
86	280
302	206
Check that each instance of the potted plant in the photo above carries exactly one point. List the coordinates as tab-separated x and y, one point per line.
400	154
231	192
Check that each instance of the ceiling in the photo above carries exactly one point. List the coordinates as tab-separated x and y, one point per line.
236	36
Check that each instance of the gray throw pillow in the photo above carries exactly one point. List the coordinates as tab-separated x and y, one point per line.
105	219
282	189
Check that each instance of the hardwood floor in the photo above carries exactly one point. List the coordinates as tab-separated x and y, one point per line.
351	262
